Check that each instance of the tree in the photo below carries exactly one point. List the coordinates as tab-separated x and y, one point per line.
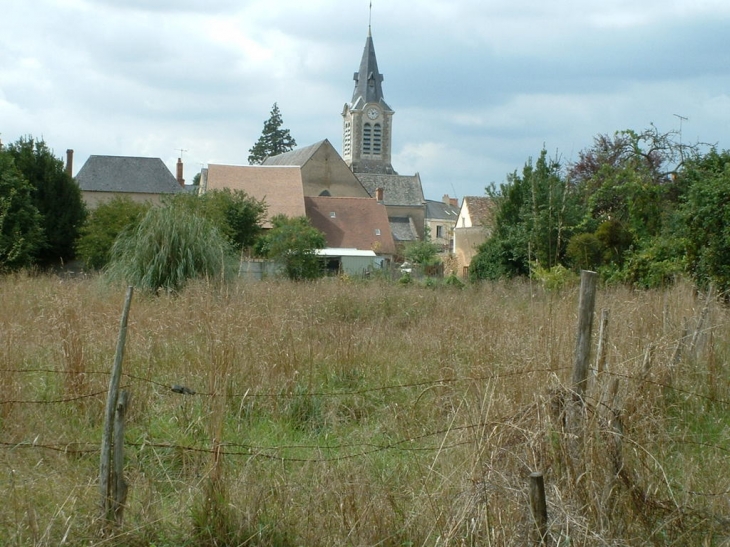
423	253
21	231
706	218
56	196
535	214
273	140
294	242
169	247
103	226
238	216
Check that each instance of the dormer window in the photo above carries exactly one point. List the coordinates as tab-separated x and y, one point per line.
332	214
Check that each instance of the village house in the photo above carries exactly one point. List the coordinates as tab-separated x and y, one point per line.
473	226
102	178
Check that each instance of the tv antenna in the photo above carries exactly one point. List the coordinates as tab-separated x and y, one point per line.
181	150
681	119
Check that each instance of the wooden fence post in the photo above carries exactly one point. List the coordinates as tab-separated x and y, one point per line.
586	306
105	482
120	485
538	508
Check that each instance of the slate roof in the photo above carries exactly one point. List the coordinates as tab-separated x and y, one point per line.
397	189
357	223
127	174
368	80
299	156
438	210
279	187
403	229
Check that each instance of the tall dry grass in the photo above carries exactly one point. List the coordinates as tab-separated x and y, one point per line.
344	413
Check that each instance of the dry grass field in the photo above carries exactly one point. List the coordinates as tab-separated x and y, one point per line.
363	413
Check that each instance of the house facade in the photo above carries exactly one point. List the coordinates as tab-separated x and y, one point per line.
441	217
473	226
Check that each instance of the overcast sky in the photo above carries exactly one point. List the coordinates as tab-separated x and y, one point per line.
478	86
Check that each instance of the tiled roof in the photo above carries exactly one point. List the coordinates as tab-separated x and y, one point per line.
280	187
397	189
403	229
481	210
127	174
358	223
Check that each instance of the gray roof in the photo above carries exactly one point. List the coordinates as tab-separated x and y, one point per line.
127	174
299	157
441	211
368	80
403	229
397	189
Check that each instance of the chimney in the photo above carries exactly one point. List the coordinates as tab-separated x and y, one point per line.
70	162
379	194
454	202
180	179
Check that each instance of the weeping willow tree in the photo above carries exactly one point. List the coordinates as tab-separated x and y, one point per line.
169	247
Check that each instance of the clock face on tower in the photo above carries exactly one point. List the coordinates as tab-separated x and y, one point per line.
373	113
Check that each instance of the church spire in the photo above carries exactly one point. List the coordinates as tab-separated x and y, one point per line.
368	80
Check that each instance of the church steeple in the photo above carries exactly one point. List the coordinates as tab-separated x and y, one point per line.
368	80
367	128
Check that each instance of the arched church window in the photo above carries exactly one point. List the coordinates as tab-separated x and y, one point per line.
377	139
347	140
367	136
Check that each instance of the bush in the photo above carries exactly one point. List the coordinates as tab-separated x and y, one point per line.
104	225
168	248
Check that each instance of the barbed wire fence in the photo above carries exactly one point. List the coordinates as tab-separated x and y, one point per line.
687	342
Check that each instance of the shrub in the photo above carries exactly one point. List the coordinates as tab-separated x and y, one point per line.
168	248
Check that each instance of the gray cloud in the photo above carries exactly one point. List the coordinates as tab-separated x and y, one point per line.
478	88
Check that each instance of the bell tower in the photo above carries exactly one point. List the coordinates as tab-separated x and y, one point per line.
367	120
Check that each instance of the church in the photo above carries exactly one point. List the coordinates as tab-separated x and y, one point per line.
357	199
367	146
367	135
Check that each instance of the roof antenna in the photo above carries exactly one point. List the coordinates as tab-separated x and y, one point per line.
181	150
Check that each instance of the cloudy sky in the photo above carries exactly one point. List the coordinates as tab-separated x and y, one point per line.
478	86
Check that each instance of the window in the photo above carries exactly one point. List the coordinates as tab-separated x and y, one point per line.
332	214
347	140
377	231
439	232
377	138
367	135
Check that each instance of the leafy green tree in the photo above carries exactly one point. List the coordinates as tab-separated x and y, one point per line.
294	242
706	217
273	140
535	214
423	253
238	216
169	247
103	226
56	196
21	231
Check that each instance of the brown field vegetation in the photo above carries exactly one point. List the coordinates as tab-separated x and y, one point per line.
348	413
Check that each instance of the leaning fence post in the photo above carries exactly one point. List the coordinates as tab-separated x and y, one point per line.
120	485
538	507
105	483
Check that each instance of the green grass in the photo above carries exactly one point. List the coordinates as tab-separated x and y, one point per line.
352	413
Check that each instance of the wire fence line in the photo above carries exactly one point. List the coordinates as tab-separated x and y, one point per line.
169	387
